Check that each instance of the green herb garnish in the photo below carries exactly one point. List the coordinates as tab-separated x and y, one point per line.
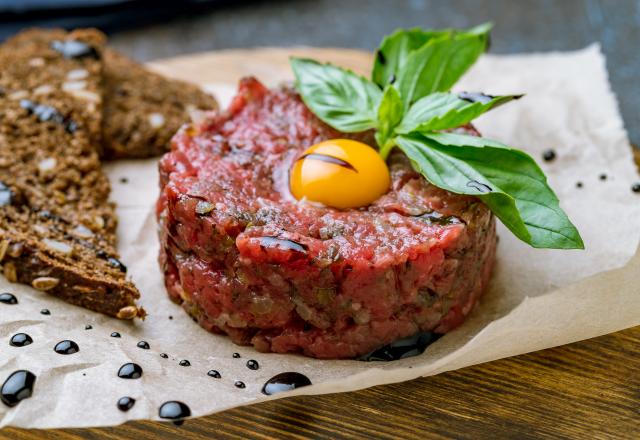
408	103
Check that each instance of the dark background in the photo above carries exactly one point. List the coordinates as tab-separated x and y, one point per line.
155	29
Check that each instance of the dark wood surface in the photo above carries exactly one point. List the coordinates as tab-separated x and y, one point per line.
587	390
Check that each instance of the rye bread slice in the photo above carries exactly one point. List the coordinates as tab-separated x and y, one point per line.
58	65
143	110
57	227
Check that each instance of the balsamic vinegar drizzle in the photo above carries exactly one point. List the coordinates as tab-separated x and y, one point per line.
285	382
66	347
8	298
126	403
184	363
164	355
236	355
482	187
402	348
144	345
240	384
130	371
253	364
174	410
214	373
88	327
328	159
115	335
17	387
45	312
20	340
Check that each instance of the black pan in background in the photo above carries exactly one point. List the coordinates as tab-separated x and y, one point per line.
108	15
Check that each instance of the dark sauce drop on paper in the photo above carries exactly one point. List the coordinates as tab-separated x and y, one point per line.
579	185
115	335
88	327
164	355
285	382
253	364
635	187
45	312
66	347
144	345
184	363
402	348
175	411
236	355
20	340
8	298
549	155
130	371
18	386
481	187
214	373
126	403
240	384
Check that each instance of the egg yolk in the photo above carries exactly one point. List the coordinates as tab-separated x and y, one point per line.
340	173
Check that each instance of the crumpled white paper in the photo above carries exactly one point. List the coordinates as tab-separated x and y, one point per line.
537	298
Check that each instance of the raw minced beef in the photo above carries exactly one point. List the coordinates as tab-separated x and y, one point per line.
246	259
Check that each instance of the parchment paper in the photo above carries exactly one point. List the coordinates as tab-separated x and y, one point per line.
537	299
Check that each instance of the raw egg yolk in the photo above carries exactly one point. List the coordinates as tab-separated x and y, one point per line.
340	173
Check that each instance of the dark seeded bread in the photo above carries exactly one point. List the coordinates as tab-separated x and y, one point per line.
56	65
57	227
143	110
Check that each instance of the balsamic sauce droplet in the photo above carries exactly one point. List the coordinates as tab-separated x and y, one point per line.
578	184
214	373
66	347
8	298
482	187
88	327
184	363
236	355
18	386
130	371
285	382
253	364
144	345
240	384
603	176
402	348
115	335
126	403
45	312
164	355
20	340
635	187
549	155
174	410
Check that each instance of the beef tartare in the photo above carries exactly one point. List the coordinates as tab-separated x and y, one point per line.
247	259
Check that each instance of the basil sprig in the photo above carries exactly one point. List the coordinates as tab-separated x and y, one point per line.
408	103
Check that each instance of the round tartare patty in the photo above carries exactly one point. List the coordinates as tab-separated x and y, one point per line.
246	259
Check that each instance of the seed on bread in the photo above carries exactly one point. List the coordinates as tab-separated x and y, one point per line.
45	283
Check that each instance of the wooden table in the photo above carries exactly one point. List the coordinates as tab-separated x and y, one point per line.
589	389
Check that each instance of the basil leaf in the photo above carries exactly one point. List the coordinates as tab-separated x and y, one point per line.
389	115
440	111
438	65
395	48
507	180
339	97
